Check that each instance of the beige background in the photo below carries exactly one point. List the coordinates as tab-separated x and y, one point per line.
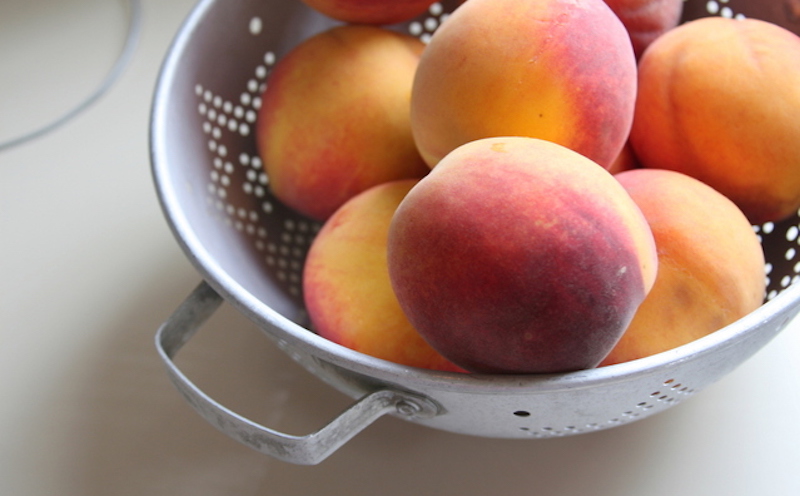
89	269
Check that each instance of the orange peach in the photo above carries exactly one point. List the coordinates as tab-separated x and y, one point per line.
346	284
518	255
335	117
559	70
371	11
719	100
646	20
711	264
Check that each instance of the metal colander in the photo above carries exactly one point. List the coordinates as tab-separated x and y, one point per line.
250	250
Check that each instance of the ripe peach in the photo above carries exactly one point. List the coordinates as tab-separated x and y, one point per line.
559	70
518	255
711	264
371	11
335	117
719	100
346	284
646	20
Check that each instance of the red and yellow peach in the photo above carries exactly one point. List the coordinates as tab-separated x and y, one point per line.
710	270
518	255
719	100
559	70
346	284
371	11
335	117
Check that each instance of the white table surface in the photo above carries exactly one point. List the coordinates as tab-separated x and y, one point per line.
90	269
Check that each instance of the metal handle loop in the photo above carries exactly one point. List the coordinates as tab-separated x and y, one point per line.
304	450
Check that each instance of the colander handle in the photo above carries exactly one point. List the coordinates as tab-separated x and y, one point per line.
303	450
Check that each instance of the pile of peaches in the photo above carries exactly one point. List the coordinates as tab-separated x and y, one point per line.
544	186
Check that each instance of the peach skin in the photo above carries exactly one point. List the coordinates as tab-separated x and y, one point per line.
335	117
518	255
379	12
711	264
559	70
346	283
646	20
719	101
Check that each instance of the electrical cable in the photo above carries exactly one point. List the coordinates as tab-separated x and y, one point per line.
131	40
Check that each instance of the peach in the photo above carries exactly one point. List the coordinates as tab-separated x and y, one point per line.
559	70
646	20
519	255
719	100
346	285
335	117
371	11
710	269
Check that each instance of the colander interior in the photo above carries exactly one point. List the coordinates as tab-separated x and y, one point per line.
210	178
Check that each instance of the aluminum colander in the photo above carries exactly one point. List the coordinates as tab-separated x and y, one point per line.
250	249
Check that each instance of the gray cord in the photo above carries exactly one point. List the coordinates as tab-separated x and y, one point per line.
134	29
